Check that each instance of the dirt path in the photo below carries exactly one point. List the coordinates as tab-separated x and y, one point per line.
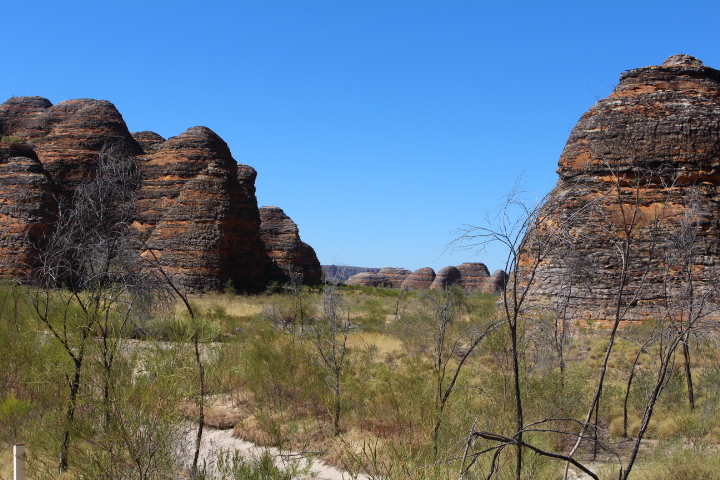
215	442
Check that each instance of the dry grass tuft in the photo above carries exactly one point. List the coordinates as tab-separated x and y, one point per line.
386	345
221	412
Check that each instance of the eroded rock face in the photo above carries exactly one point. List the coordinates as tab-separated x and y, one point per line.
27	208
149	141
396	276
638	186
19	112
420	279
288	253
367	279
475	276
445	278
199	219
197	210
499	279
68	136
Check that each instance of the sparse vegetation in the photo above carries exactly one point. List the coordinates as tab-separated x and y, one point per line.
391	424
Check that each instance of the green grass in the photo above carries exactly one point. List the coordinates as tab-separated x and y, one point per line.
9	138
261	356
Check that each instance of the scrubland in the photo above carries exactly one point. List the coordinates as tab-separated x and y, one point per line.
382	382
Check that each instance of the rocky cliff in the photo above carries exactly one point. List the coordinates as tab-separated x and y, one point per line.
634	220
197	210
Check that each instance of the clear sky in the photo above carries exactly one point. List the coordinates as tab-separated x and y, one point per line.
380	127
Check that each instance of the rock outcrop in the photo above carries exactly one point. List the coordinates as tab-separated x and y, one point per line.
472	277
288	253
638	187
68	136
420	279
445	278
200	221
368	279
395	276
498	280
27	208
197	210
475	276
150	142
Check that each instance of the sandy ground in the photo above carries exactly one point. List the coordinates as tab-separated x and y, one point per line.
215	442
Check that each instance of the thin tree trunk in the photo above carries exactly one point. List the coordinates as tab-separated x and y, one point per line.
688	372
70	416
201	399
518	400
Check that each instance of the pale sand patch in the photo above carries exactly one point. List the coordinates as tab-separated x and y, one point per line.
215	442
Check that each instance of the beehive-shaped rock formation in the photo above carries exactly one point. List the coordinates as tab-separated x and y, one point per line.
197	210
396	276
420	279
636	211
476	277
68	136
445	278
369	279
27	207
289	254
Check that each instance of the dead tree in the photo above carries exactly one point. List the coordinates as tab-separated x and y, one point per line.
330	334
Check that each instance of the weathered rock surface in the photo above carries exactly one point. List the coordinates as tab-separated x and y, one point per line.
420	279
197	210
395	276
201	222
367	279
68	136
288	253
445	278
472	277
499	279
638	185
149	141
475	276
27	207
19	112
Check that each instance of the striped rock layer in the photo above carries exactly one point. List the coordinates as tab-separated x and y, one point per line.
472	277
634	220
198	214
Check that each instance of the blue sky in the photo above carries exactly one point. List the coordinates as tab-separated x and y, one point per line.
380	127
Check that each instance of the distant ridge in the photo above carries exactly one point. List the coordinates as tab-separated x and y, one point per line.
340	273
